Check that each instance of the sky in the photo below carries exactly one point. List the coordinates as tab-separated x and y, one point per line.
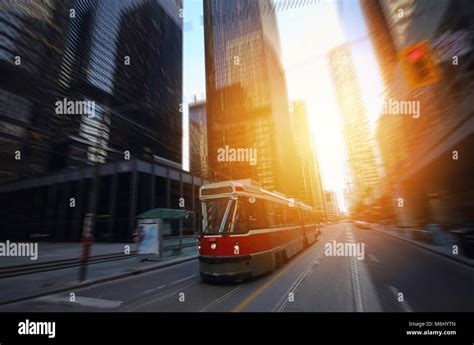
194	81
307	34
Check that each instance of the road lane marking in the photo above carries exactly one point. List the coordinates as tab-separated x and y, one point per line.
369	292
155	289
404	304
83	301
231	292
162	297
182	280
262	288
373	258
284	301
356	289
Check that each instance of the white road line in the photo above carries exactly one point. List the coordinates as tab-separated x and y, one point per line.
83	301
356	289
231	292
155	289
162	297
284	300
373	258
369	293
404	304
181	280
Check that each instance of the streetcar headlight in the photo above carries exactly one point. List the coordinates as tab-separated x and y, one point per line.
213	246
236	248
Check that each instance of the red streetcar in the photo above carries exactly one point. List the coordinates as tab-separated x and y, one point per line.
248	231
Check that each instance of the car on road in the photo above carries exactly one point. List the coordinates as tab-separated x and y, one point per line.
362	224
465	233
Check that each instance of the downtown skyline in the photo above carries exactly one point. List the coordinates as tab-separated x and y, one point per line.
307	73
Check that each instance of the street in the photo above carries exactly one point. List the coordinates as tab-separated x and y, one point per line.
393	276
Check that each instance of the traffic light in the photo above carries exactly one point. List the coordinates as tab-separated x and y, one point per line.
419	65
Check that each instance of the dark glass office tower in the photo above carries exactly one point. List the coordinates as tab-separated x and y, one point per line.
125	58
246	93
198	139
32	40
149	90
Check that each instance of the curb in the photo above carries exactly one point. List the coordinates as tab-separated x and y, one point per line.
458	259
105	279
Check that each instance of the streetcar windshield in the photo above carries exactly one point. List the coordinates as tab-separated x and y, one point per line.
217	215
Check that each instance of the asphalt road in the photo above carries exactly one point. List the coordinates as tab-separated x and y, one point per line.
393	275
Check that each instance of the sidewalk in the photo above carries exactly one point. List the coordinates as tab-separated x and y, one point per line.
421	238
52	251
18	288
59	251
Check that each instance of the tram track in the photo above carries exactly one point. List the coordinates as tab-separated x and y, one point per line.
13	271
309	270
222	298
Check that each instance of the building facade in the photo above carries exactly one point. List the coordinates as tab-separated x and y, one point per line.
198	154
247	104
331	205
310	189
90	100
421	153
30	70
363	173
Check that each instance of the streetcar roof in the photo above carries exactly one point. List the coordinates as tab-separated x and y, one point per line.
226	189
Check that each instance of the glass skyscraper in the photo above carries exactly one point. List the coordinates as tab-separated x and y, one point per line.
359	141
247	100
198	138
125	58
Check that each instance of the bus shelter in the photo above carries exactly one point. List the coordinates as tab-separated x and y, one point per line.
160	225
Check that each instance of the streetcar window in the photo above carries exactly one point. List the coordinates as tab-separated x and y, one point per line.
217	215
284	215
255	213
309	217
278	209
240	218
303	214
270	214
292	216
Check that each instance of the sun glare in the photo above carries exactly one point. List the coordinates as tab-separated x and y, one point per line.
306	40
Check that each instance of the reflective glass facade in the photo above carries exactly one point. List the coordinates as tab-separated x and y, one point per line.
125	57
198	139
246	92
32	40
359	140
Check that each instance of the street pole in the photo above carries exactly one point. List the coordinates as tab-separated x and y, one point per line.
181	236
87	238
